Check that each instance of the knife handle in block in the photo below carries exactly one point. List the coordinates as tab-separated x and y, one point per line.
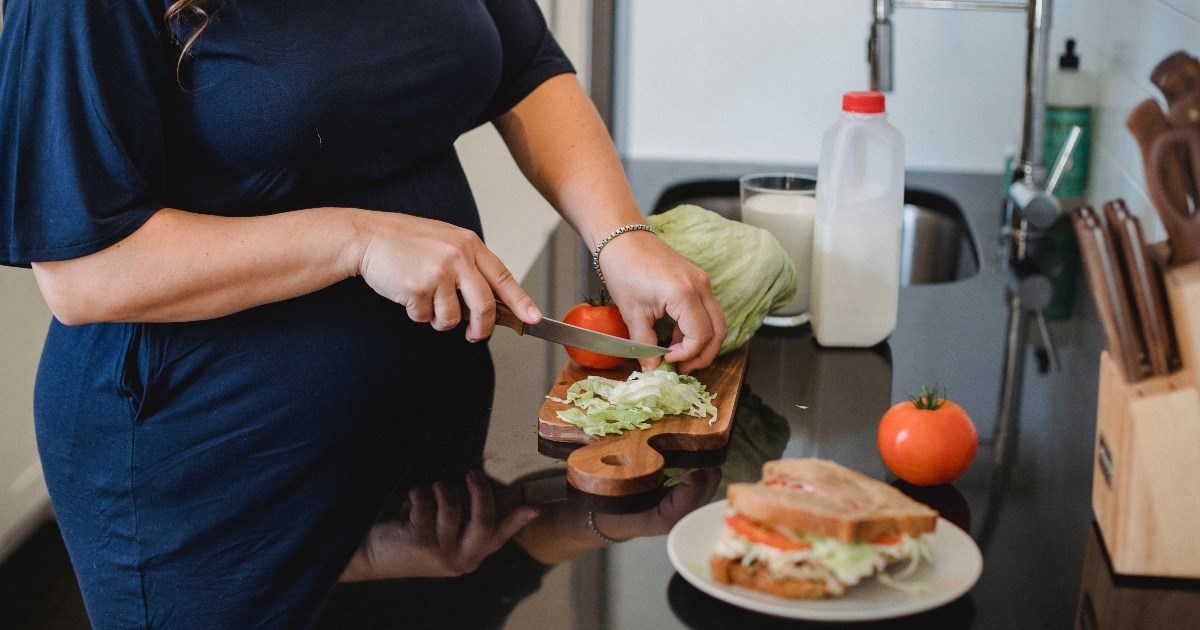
1107	283
1145	286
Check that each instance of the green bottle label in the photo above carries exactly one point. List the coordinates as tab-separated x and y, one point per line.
1059	121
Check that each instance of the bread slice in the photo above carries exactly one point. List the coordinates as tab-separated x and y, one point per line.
816	496
730	571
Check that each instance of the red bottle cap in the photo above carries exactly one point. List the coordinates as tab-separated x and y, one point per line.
863	102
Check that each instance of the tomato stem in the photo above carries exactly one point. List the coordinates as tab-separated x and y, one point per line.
604	300
929	398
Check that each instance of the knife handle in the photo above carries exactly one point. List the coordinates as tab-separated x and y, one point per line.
1108	290
1145	286
505	317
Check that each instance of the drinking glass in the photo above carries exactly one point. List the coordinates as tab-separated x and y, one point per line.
785	205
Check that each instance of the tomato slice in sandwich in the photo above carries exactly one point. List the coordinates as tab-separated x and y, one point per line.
887	539
762	534
766	535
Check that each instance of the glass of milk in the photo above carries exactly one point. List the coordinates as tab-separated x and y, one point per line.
784	204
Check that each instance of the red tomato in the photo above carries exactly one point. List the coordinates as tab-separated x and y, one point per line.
762	534
603	318
927	441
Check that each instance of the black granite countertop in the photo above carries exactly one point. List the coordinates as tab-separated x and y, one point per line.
1029	512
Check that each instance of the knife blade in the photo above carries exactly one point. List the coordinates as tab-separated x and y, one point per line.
1145	284
1108	290
576	337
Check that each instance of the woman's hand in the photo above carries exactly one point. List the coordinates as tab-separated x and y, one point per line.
425	264
563	532
694	490
647	279
432	540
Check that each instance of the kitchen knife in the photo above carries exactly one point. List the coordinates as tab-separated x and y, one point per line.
576	337
1108	290
1145	285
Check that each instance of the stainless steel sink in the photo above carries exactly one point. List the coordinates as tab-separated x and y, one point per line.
936	246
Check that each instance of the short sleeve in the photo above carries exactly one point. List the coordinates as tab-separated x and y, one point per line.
531	54
83	92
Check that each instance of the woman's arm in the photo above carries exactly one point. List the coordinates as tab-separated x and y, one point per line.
182	266
563	148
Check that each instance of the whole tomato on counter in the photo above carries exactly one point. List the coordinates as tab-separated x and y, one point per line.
601	316
927	440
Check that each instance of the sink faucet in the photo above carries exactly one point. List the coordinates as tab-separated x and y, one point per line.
1031	207
1037	53
1035	208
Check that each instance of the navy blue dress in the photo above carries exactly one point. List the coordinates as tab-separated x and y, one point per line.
220	473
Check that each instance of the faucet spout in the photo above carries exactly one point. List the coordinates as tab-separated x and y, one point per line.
879	47
1032	167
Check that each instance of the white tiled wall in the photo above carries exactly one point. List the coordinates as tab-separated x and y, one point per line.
1135	36
757	81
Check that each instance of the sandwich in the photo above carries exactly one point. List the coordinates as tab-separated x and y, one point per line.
812	528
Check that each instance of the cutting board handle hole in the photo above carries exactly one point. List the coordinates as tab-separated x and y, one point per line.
616	460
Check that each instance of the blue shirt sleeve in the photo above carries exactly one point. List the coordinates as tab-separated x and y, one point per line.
83	91
531	54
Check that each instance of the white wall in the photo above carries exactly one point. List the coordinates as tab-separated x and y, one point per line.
23	322
1133	36
758	81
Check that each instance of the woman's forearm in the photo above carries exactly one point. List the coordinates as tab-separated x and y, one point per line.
562	146
182	266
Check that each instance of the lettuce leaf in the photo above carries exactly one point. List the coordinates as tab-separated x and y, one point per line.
750	272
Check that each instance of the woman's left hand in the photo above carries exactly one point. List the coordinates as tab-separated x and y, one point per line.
433	541
647	279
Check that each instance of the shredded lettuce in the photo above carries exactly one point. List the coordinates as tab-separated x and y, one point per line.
853	561
605	406
674	476
850	562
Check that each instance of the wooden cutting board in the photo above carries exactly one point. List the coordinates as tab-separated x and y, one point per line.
630	463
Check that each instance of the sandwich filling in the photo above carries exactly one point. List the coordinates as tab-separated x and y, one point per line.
788	555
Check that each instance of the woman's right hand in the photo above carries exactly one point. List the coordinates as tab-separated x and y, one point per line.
426	264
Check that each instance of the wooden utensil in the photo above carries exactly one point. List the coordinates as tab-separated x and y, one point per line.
632	462
1178	78
1167	175
1145	286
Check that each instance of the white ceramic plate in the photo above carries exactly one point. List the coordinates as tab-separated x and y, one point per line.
955	568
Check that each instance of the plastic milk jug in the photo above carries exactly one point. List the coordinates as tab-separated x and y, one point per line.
856	238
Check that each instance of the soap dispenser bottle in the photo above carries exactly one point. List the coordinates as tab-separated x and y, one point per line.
855	288
1069	95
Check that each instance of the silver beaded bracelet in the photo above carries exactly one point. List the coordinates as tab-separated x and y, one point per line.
596	530
611	235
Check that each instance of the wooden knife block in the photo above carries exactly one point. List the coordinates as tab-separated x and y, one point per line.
1146	477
